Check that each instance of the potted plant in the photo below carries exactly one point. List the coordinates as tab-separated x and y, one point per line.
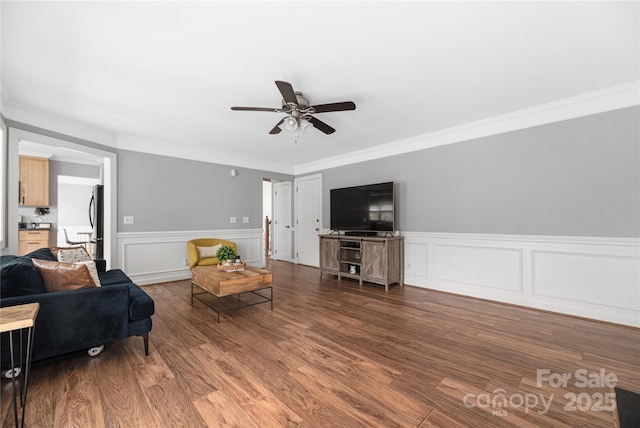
226	254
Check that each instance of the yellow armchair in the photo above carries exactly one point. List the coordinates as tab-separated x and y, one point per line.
193	255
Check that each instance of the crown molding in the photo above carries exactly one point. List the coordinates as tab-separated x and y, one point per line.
614	98
211	156
54	122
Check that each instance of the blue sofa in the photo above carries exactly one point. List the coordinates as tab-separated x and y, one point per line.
74	320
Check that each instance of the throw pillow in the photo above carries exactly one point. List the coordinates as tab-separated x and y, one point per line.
93	271
54	251
204	252
59	276
71	254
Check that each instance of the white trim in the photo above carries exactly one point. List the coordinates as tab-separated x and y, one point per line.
3	184
554	239
70	179
614	98
215	156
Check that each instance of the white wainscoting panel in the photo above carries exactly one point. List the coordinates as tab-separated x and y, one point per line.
599	279
152	257
595	278
483	266
415	259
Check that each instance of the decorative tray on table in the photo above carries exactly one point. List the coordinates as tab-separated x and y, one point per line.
231	267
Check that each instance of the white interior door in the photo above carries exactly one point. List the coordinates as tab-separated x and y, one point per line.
308	219
282	221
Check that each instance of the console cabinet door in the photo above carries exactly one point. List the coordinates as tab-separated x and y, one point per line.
329	250
374	261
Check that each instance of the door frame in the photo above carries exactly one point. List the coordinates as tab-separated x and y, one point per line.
109	177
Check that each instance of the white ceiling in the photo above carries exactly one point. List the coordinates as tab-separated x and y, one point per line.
160	77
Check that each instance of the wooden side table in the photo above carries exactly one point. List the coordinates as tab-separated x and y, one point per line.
15	319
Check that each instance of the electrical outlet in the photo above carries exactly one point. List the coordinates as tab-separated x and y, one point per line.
185	262
245	219
232	220
128	219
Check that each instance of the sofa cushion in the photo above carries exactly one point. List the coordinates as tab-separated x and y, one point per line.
114	276
140	304
58	276
41	254
18	277
6	259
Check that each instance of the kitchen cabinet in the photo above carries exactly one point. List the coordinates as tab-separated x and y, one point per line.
34	181
30	240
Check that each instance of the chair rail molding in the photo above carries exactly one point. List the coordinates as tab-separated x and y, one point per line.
153	257
591	277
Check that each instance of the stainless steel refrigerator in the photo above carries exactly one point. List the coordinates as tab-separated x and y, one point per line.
96	219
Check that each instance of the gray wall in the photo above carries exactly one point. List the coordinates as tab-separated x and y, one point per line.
57	168
579	177
166	194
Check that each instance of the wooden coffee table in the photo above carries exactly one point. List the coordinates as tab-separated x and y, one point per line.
216	285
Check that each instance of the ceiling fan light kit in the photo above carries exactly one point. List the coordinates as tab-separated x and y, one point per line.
299	112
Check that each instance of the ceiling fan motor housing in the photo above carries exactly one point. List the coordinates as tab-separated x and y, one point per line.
303	102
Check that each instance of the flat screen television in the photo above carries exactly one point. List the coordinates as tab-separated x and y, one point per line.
368	208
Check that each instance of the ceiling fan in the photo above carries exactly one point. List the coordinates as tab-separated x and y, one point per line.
299	112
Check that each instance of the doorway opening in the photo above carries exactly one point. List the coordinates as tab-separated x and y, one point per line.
74	194
66	158
267	215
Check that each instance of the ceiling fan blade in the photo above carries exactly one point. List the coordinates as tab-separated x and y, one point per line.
272	109
345	105
287	92
318	124
276	129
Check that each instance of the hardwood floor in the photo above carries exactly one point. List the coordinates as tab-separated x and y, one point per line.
336	354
